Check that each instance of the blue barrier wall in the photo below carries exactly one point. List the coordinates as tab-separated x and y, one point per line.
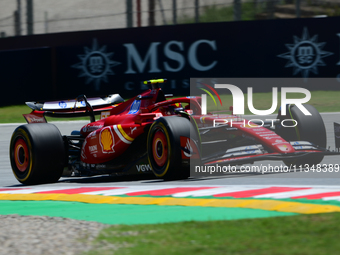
64	65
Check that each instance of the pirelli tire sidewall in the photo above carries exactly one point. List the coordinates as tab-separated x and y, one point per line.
164	147
37	153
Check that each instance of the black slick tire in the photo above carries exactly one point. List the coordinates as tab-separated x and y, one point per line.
37	153
310	128
164	147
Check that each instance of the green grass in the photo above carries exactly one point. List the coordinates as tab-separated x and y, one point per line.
226	13
299	235
249	11
323	101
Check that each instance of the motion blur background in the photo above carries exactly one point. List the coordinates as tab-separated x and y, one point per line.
22	17
53	50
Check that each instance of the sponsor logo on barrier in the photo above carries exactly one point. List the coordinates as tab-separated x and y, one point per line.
96	64
305	54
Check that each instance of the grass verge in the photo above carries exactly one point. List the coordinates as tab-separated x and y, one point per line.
302	234
218	13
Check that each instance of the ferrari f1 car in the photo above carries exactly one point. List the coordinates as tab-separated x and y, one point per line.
152	134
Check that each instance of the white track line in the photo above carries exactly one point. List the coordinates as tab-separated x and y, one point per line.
295	193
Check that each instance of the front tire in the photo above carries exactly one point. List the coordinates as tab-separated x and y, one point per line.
37	153
310	128
164	147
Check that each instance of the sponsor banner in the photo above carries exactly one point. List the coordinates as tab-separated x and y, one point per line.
118	60
25	75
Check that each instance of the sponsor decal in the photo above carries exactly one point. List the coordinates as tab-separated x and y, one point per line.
283	147
31	118
92	135
124	137
89	128
190	112
251	149
107	141
135	107
189	148
93	149
279	143
271	137
264	132
104	115
297	145
83	156
259	129
143	168
305	54
269	134
101	166
62	104
132	129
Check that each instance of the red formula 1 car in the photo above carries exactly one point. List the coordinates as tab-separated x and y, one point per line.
150	134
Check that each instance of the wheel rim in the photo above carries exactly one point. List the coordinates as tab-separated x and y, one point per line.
160	148
21	155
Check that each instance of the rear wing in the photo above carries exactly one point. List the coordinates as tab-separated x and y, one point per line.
74	104
79	107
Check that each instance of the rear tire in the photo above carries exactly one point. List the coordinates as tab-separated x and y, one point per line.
164	147
310	128
37	153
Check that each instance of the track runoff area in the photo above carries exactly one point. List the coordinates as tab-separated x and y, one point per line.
231	196
264	189
168	203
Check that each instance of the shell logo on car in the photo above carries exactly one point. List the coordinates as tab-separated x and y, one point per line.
107	140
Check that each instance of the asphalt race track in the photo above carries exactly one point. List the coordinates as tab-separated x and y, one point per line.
302	178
